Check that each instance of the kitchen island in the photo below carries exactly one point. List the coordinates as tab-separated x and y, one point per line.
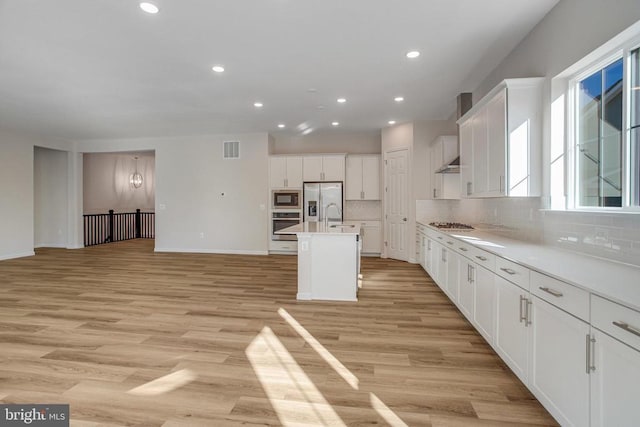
328	260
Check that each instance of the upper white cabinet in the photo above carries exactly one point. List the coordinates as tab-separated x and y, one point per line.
363	177
445	185
285	172
500	142
323	168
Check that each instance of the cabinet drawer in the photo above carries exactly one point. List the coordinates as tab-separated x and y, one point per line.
482	258
463	249
616	320
569	298
513	272
421	228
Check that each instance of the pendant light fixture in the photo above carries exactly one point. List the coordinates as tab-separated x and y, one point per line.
136	178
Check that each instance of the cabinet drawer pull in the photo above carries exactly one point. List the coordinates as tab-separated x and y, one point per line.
440	237
590	354
481	258
508	270
522	317
463	249
551	291
450	243
625	326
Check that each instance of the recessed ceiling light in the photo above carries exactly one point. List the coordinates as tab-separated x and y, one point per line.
149	7
258	104
413	54
392	122
335	123
281	125
398	99
218	68
342	100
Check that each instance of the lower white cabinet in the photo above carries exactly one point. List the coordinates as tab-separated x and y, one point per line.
371	237
559	363
451	286
614	383
513	320
466	287
484	303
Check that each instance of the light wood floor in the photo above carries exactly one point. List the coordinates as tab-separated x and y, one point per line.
130	337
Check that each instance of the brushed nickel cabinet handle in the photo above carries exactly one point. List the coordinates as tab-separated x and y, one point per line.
463	249
440	237
553	292
590	356
449	242
508	270
434	193
481	258
522	317
626	327
473	272
527	315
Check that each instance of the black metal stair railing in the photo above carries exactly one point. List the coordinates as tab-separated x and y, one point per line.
115	227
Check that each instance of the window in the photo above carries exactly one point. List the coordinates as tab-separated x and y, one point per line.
599	137
607	134
634	126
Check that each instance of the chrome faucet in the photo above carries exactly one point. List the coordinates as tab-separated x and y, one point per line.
326	210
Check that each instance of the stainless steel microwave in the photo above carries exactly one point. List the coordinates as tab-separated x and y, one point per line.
286	199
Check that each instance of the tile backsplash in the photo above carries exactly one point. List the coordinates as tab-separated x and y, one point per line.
370	210
614	236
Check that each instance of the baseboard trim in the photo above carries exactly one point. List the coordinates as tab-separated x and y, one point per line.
212	251
305	296
18	255
50	245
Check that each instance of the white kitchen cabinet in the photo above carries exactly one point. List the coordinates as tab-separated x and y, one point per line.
452	263
500	141
443	150
371	237
428	254
615	361
362	177
558	376
484	303
421	242
466	287
324	168
437	264
285	172
512	326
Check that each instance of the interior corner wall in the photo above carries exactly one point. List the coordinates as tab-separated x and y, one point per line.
16	197
50	197
424	133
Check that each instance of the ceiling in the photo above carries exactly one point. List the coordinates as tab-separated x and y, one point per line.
79	69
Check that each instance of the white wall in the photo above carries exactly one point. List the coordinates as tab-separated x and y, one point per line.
50	197
331	141
107	186
192	214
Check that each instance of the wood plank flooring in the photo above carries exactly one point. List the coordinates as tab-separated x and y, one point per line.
129	337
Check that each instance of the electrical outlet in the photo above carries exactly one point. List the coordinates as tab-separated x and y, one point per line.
602	234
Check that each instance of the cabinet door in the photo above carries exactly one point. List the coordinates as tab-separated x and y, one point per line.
442	267
312	168
353	183
421	248
427	255
480	154
466	158
496	144
614	383
372	239
558	375
294	172
437	157
466	287
371	177
333	168
453	260
436	254
277	172
512	340
483	308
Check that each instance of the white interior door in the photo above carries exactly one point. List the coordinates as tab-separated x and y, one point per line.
397	204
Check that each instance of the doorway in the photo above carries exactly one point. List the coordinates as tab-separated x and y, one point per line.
396	175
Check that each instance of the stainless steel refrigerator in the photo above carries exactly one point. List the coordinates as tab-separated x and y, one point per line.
322	198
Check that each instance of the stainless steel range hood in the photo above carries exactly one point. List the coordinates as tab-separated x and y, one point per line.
452	167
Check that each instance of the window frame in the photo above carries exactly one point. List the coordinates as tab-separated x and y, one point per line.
630	204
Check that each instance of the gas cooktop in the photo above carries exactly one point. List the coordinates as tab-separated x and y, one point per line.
451	225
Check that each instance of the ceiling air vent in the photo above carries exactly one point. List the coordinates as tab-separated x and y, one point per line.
231	149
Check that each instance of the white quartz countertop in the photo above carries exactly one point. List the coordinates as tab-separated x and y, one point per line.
615	281
320	228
